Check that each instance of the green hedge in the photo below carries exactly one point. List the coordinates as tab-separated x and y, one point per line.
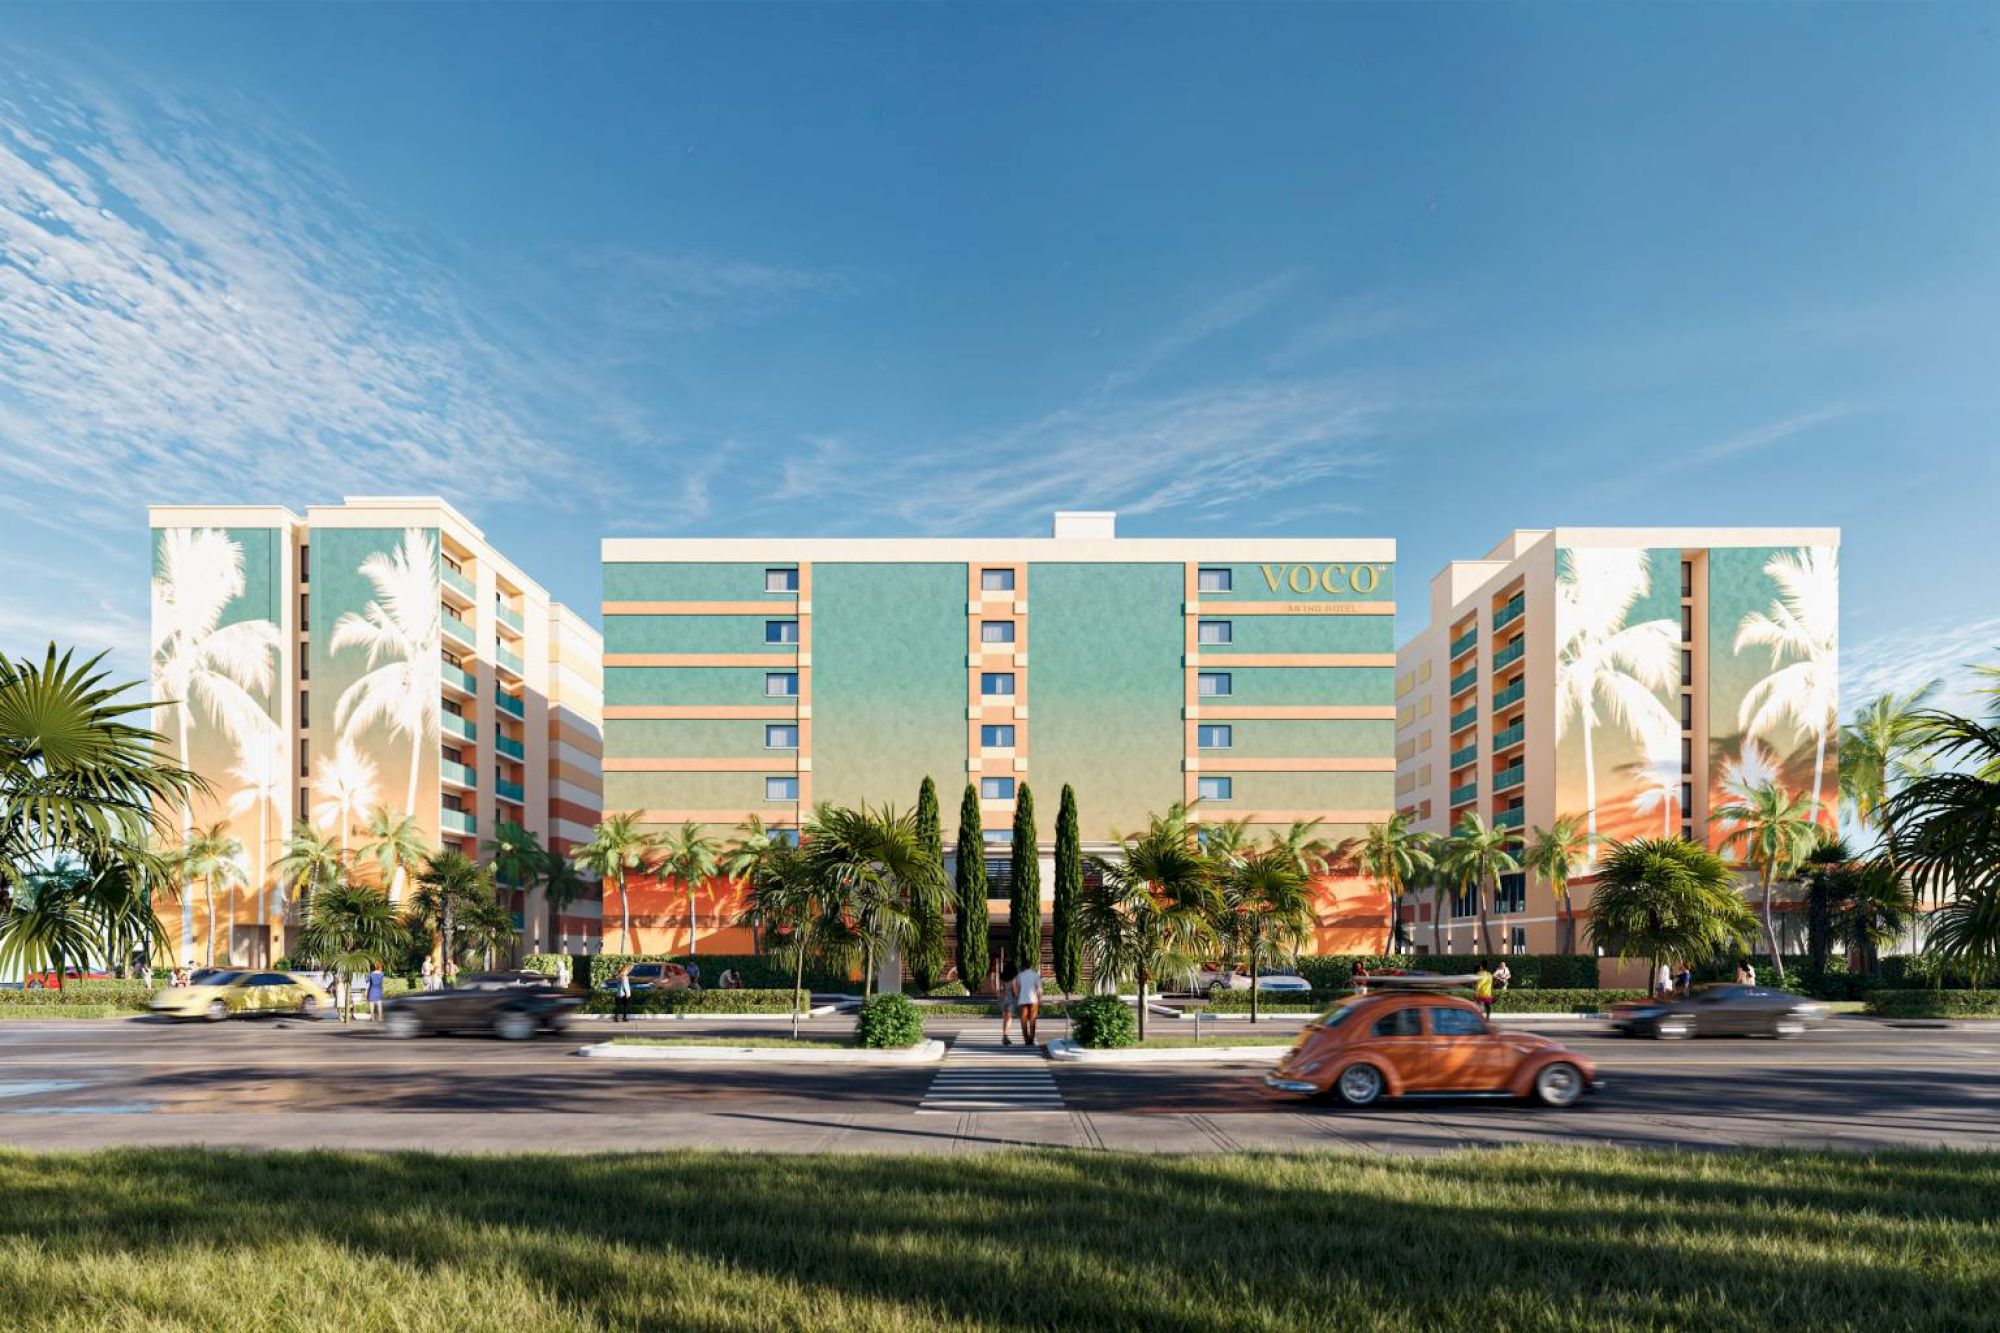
1554	971
1935	1004
758	971
30	1011
1238	1002
696	1002
1560	1001
949	990
133	996
1102	1021
888	1021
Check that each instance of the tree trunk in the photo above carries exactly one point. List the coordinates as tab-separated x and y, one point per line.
624	916
1253	983
187	835
689	884
1770	929
1485	926
208	894
1142	1006
1437	922
798	987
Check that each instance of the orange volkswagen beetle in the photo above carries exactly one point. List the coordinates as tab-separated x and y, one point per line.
1407	1043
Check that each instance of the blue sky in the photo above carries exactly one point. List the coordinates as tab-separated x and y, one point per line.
1428	273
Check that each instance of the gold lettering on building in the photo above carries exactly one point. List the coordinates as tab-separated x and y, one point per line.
1332	580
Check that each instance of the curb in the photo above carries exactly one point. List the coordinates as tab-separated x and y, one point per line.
818	1011
1069	1051
923	1053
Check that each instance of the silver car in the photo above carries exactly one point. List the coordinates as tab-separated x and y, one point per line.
1719	1011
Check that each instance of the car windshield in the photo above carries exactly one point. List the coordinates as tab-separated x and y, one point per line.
1276	972
220	979
1338	1013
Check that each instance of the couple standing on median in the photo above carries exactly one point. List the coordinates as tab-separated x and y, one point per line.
1020	997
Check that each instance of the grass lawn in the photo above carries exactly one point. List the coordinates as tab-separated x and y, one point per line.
1516	1239
1219	1039
67	1011
785	1043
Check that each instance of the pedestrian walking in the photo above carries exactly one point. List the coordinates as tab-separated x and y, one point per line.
621	990
427	978
1007	974
1501	976
375	991
1749	977
1482	990
1028	1000
562	972
1663	984
1360	978
1684	980
694	975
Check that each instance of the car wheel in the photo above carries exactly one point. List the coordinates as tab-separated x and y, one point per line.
403	1025
1674	1029
1787	1028
216	1011
514	1025
1558	1084
1359	1085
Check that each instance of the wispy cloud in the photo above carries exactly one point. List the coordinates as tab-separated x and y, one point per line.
1901	661
1228	312
1763	437
1357	320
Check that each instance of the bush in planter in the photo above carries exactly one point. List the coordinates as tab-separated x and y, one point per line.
949	990
1102	1021
1271	1002
889	1021
1560	1001
696	1002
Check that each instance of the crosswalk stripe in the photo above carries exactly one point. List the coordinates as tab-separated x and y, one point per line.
978	1076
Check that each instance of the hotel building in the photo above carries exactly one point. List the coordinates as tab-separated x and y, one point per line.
1626	676
375	654
759	677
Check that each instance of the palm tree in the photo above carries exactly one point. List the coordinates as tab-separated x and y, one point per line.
215	858
1881	751
348	927
346	786
1553	854
451	886
399	631
691	856
1264	909
485	927
394	845
1874	908
50	923
516	857
311	862
1662	898
1803	625
754	844
1776	832
1944	829
869	863
1391	854
561	886
1475	854
786	904
1599	658
1152	910
1306	849
616	847
119	887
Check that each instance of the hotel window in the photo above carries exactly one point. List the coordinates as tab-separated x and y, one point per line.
305	609
1212	685
1687	797
781	580
1215	631
997	738
1213	737
1687	578
781	736
1214	580
781	789
305	760
784	837
305	710
781	684
1513	895
996	631
997	837
1687	712
996	683
781	631
1687	624
996	789
305	564
1216	789
1517	942
453	753
1687	754
1687	667
996	580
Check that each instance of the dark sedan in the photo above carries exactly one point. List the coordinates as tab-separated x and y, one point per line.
510	1005
1719	1011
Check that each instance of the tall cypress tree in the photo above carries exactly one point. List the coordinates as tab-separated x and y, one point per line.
971	893
927	949
1068	942
1024	910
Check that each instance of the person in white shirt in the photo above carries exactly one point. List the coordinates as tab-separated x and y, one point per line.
1664	983
1027	1001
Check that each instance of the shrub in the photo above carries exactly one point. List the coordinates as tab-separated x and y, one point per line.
1330	973
1560	1001
696	1002
949	990
130	996
1102	1021
1270	1002
759	971
889	1021
1935	1004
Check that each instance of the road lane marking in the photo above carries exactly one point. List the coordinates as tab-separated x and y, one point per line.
984	1076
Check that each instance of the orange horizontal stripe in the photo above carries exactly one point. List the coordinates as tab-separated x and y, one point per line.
1220	764
1296	659
777	812
784	658
574	813
1215	812
780	604
779	761
1291	712
673	712
1294	609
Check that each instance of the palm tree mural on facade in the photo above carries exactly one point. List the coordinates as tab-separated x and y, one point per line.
346	790
1659	777
1605	668
204	669
1801	695
263	772
398	629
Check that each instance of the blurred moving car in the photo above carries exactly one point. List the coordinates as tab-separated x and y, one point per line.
1212	977
510	1005
1415	1043
1718	1011
47	980
226	994
652	976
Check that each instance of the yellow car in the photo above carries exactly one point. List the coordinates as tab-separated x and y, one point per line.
220	995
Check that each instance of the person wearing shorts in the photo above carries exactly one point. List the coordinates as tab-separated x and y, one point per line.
1007	974
1028	1000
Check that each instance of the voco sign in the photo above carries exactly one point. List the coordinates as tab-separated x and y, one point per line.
1334	580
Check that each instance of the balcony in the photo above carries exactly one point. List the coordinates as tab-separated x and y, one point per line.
509	662
1460	721
1460	795
456	629
1460	758
1464	680
509	791
510	747
1509	613
1511	776
1510	654
456	774
451	724
1511	695
509	617
457	678
455	581
1512	736
1464	643
509	704
1510	818
458	823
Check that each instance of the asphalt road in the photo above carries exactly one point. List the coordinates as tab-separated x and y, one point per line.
278	1084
